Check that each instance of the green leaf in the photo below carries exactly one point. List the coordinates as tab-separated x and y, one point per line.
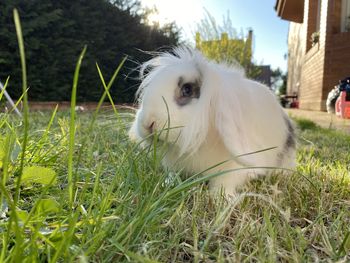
22	215
47	206
16	151
37	174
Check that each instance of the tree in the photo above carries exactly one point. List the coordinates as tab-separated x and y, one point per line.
222	44
279	81
55	33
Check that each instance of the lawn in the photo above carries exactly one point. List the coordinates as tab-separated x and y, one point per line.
120	205
73	188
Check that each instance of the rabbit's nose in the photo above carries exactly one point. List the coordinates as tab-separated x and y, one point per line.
151	127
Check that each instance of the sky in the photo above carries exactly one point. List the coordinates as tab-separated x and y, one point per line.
270	32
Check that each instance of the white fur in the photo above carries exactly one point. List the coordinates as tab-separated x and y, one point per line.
233	116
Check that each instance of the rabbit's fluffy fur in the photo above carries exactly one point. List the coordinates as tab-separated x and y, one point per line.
220	116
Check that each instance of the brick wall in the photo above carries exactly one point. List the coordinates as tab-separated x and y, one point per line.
337	55
312	69
337	61
315	69
296	51
311	79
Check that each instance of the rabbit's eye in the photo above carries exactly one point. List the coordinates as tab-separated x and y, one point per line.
187	90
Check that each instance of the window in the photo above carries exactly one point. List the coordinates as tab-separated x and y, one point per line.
345	16
318	18
313	27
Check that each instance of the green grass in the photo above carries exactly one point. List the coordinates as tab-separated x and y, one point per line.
125	207
104	199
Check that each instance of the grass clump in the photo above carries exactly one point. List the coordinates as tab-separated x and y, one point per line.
305	124
126	208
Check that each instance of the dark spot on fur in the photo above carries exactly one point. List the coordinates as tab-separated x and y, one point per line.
195	87
290	142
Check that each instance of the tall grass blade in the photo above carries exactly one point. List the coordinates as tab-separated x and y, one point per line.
25	100
3	88
72	127
13	218
107	88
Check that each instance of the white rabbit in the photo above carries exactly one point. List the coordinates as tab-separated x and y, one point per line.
215	114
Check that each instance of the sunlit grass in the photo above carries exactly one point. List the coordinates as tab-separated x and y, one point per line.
105	199
127	208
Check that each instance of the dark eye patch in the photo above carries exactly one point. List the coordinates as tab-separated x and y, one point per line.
186	91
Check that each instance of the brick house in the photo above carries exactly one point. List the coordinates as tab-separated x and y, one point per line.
318	47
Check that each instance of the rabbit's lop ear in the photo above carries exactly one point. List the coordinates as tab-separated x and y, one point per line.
229	115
